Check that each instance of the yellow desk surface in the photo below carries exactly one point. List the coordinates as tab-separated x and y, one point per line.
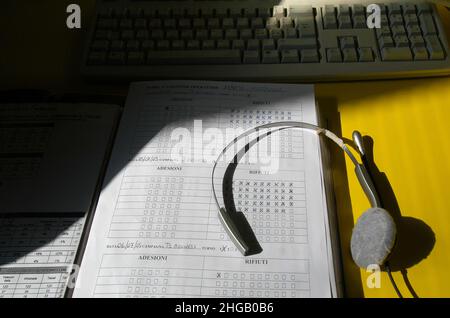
408	121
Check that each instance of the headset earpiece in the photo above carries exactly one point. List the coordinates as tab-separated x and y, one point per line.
373	238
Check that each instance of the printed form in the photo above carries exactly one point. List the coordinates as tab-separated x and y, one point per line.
156	231
51	155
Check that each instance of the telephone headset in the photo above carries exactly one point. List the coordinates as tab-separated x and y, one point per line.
374	234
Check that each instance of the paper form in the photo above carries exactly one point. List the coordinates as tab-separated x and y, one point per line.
156	231
51	156
36	255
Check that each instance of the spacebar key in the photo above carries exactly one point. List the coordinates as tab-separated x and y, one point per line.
194	57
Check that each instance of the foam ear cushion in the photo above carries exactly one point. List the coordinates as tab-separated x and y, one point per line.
373	237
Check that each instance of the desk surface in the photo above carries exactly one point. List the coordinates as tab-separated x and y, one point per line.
407	120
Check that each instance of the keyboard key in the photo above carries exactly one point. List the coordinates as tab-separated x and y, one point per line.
97	58
194	57
289	56
155	24
278	11
396	19
242	23
163	44
396	54
359	22
223	44
117	45
334	55
201	34
264	12
420	53
251	57
427	24
417	41
103	35
329	22
272	23
268	44
157	34
365	54
192	13
290	33
127	35
358	10
178	12
126	24
238	44
343	11
228	23
172	34
414	30
401	41
297	44
261	34
345	22
411	19
106	13
187	34
423	8
434	47
107	24
149	12
142	34
386	41
136	58
286	22
216	34
350	55
116	58
250	12
177	45
184	23
270	57
199	23
193	44
148	45
383	31
165	12
235	12
306	27
207	12
329	10
246	34
394	8
398	30
133	45
253	45
257	23
300	11
208	44
276	34
100	45
409	8
231	34
309	56
140	23
347	42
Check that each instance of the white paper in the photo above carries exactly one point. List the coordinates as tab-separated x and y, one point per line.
37	255
50	162
156	231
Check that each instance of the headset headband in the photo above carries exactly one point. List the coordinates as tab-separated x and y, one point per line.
228	215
